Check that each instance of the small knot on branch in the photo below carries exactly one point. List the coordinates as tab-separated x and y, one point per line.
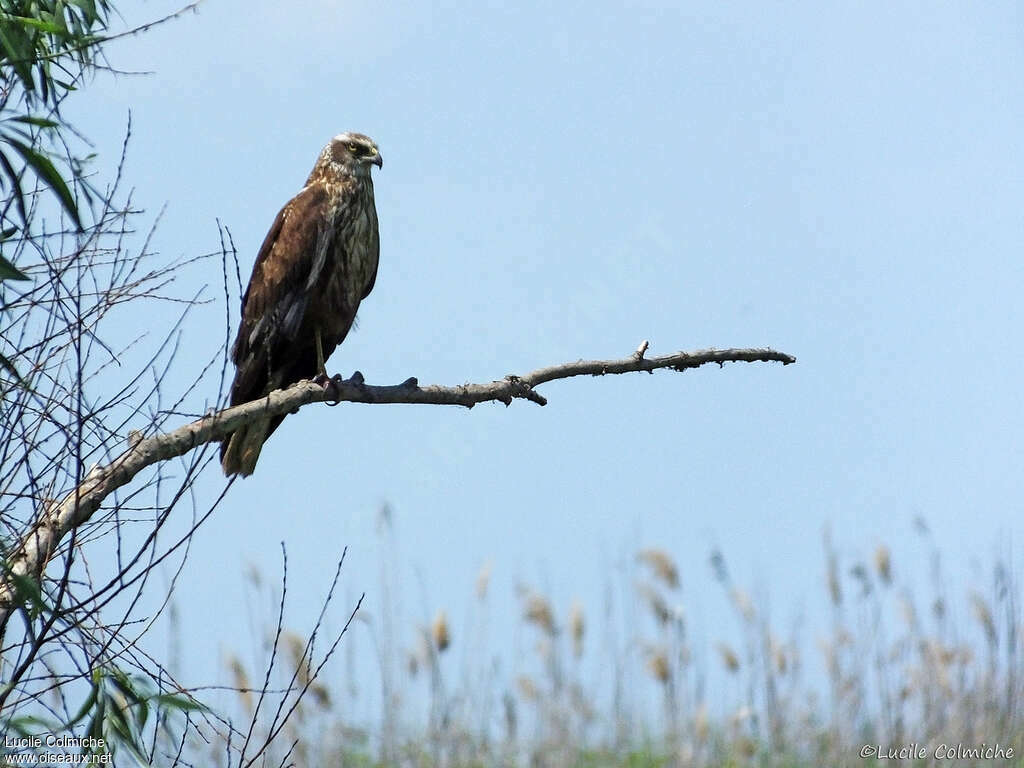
522	389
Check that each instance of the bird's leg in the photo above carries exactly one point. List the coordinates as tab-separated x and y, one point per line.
321	377
320	367
329	384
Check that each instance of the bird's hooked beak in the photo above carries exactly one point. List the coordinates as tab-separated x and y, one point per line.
377	160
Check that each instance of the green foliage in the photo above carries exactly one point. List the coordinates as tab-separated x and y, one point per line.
46	46
39	37
9	272
28	596
630	759
117	709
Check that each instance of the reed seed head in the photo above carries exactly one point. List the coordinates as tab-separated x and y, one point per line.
729	657
883	564
577	627
661	563
440	633
538	611
658	666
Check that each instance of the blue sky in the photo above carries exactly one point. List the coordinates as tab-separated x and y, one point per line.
840	181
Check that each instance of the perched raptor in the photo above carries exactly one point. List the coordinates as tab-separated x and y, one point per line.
318	261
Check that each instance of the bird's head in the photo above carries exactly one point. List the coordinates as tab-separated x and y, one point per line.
351	154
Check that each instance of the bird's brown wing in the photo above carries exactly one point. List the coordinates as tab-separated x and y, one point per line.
373	276
267	352
288	263
374	249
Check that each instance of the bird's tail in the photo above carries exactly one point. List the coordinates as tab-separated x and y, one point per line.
240	452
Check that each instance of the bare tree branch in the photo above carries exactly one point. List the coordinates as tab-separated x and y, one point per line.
57	520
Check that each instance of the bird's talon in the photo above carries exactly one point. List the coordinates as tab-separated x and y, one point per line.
332	390
357	379
411	383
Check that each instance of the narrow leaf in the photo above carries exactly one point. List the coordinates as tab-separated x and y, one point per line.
48	173
90	702
9	367
95	729
26	590
89	6
10	39
7	270
28	725
180	703
40	121
15	178
44	26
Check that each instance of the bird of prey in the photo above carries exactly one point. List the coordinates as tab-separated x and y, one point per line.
317	263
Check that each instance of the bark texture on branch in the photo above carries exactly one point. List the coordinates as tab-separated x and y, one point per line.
56	520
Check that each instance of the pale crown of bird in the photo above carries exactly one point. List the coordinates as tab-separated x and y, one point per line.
351	153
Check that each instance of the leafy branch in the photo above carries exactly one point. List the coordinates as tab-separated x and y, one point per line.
46	46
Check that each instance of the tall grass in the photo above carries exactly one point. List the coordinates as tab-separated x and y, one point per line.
908	663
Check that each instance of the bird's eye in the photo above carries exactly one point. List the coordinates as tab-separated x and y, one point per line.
352	147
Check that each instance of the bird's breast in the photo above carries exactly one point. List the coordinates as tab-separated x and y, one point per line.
352	263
